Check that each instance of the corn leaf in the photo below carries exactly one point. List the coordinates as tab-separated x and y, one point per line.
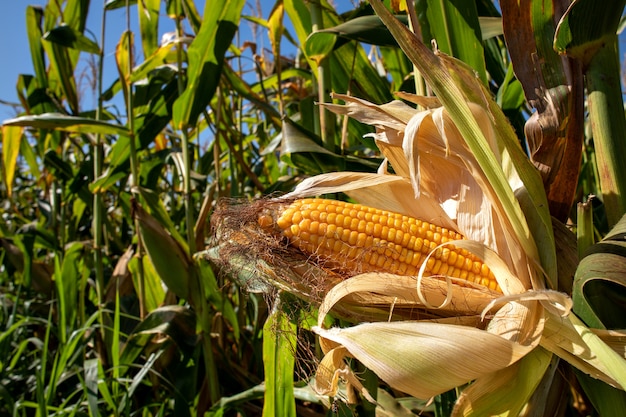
279	344
586	26
176	322
160	57
600	283
34	16
605	104
608	401
11	140
455	26
553	86
66	123
153	291
124	62
505	392
148	11
62	64
68	278
205	56
432	362
169	257
571	340
351	69
71	38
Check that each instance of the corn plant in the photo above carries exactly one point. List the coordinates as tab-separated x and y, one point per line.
155	257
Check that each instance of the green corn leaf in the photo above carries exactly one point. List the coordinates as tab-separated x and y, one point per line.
71	38
319	45
148	11
608	401
72	124
11	140
118	4
587	32
75	14
214	295
177	322
455	26
279	344
302	149
123	59
34	16
599	292
160	57
586	27
206	54
350	70
28	153
68	278
154	293
62	73
168	256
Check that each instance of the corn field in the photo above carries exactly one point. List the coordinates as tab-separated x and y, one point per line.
381	208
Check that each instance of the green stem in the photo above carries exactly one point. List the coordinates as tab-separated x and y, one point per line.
191	241
134	164
608	125
97	171
414	25
584	227
326	127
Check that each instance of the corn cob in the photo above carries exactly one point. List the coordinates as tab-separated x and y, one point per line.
366	239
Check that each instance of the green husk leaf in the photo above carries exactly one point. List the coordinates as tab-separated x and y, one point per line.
455	85
572	340
600	283
608	401
505	392
432	362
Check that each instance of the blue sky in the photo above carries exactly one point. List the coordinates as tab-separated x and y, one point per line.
14	42
16	55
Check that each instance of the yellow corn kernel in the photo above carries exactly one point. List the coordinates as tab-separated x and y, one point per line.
365	239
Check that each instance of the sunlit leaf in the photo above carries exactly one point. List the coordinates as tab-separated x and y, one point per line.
11	139
66	123
454	24
153	291
205	55
34	16
505	392
279	343
148	11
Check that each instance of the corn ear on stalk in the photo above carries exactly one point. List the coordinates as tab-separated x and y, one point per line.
364	239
